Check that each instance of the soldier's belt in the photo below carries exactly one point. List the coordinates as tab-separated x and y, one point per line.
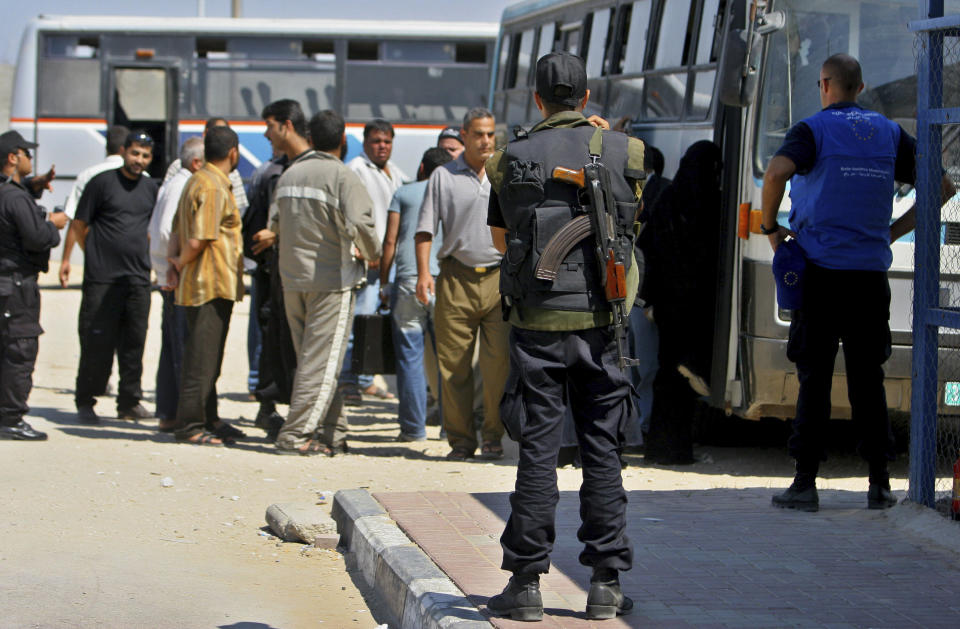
560	245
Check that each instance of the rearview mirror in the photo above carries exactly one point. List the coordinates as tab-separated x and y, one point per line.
738	69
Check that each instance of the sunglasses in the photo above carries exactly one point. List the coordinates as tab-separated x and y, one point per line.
26	153
140	138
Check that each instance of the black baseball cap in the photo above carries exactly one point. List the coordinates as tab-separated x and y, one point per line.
450	132
561	78
11	141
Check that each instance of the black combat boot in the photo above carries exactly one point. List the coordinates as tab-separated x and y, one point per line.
520	600
605	599
802	494
879	496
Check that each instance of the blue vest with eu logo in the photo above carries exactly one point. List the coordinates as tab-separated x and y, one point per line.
842	207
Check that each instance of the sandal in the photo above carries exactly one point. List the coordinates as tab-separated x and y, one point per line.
459	454
491	451
310	448
335	450
226	431
351	396
204	439
375	391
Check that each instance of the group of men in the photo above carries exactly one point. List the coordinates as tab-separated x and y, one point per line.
465	239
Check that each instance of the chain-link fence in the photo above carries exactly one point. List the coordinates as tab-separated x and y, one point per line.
935	430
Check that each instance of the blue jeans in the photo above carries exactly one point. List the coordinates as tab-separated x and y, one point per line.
412	329
368	300
644	345
254	339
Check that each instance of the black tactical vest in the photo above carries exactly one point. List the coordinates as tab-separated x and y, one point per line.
535	207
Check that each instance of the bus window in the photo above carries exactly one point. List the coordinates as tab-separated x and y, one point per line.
702	95
69	87
597	43
264	48
523	60
707	42
673	35
242	89
141	93
626	97
504	62
419	52
665	95
413	93
569	40
633	55
69	76
547	36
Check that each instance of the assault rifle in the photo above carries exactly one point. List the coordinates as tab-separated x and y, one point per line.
601	222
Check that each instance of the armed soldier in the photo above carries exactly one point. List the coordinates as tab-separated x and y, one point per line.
564	199
26	237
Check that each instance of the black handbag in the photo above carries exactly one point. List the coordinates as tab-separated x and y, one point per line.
373	351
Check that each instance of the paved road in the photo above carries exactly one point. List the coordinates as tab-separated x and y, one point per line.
711	558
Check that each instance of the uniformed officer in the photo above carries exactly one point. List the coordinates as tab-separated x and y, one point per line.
562	347
26	237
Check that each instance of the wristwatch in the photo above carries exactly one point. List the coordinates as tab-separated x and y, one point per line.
771	230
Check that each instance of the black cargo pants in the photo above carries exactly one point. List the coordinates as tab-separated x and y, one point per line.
19	329
548	371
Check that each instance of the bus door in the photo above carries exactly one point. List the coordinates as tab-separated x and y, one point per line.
144	98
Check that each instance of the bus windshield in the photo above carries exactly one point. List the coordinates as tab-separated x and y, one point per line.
875	32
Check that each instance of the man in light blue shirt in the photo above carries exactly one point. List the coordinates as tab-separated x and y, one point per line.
413	335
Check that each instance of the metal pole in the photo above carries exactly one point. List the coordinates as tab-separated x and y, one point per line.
236	8
926	267
201	8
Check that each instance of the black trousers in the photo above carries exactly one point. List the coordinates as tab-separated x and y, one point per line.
19	327
278	358
173	336
852	307
548	371
207	327
113	319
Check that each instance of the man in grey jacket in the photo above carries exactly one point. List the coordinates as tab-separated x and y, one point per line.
322	220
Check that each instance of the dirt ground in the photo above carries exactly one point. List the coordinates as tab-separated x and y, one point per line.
90	536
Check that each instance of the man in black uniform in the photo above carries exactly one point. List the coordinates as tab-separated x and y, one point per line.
26	238
562	347
111	227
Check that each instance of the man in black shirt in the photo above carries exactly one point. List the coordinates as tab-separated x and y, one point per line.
26	238
111	225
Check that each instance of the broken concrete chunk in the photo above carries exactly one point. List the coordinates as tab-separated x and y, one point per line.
295	522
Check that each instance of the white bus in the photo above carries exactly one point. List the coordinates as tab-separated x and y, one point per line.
77	75
740	73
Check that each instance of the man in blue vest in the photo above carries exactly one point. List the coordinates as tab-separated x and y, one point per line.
842	163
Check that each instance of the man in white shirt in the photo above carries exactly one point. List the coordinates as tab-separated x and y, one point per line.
115	138
173	325
381	177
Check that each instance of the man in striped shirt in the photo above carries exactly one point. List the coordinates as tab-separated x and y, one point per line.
206	269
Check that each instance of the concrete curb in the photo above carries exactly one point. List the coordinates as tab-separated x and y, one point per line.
416	592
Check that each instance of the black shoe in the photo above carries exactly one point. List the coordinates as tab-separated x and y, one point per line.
87	415
520	600
22	431
134	413
271	422
880	497
799	498
606	599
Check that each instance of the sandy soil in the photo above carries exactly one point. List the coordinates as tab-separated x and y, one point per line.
89	536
